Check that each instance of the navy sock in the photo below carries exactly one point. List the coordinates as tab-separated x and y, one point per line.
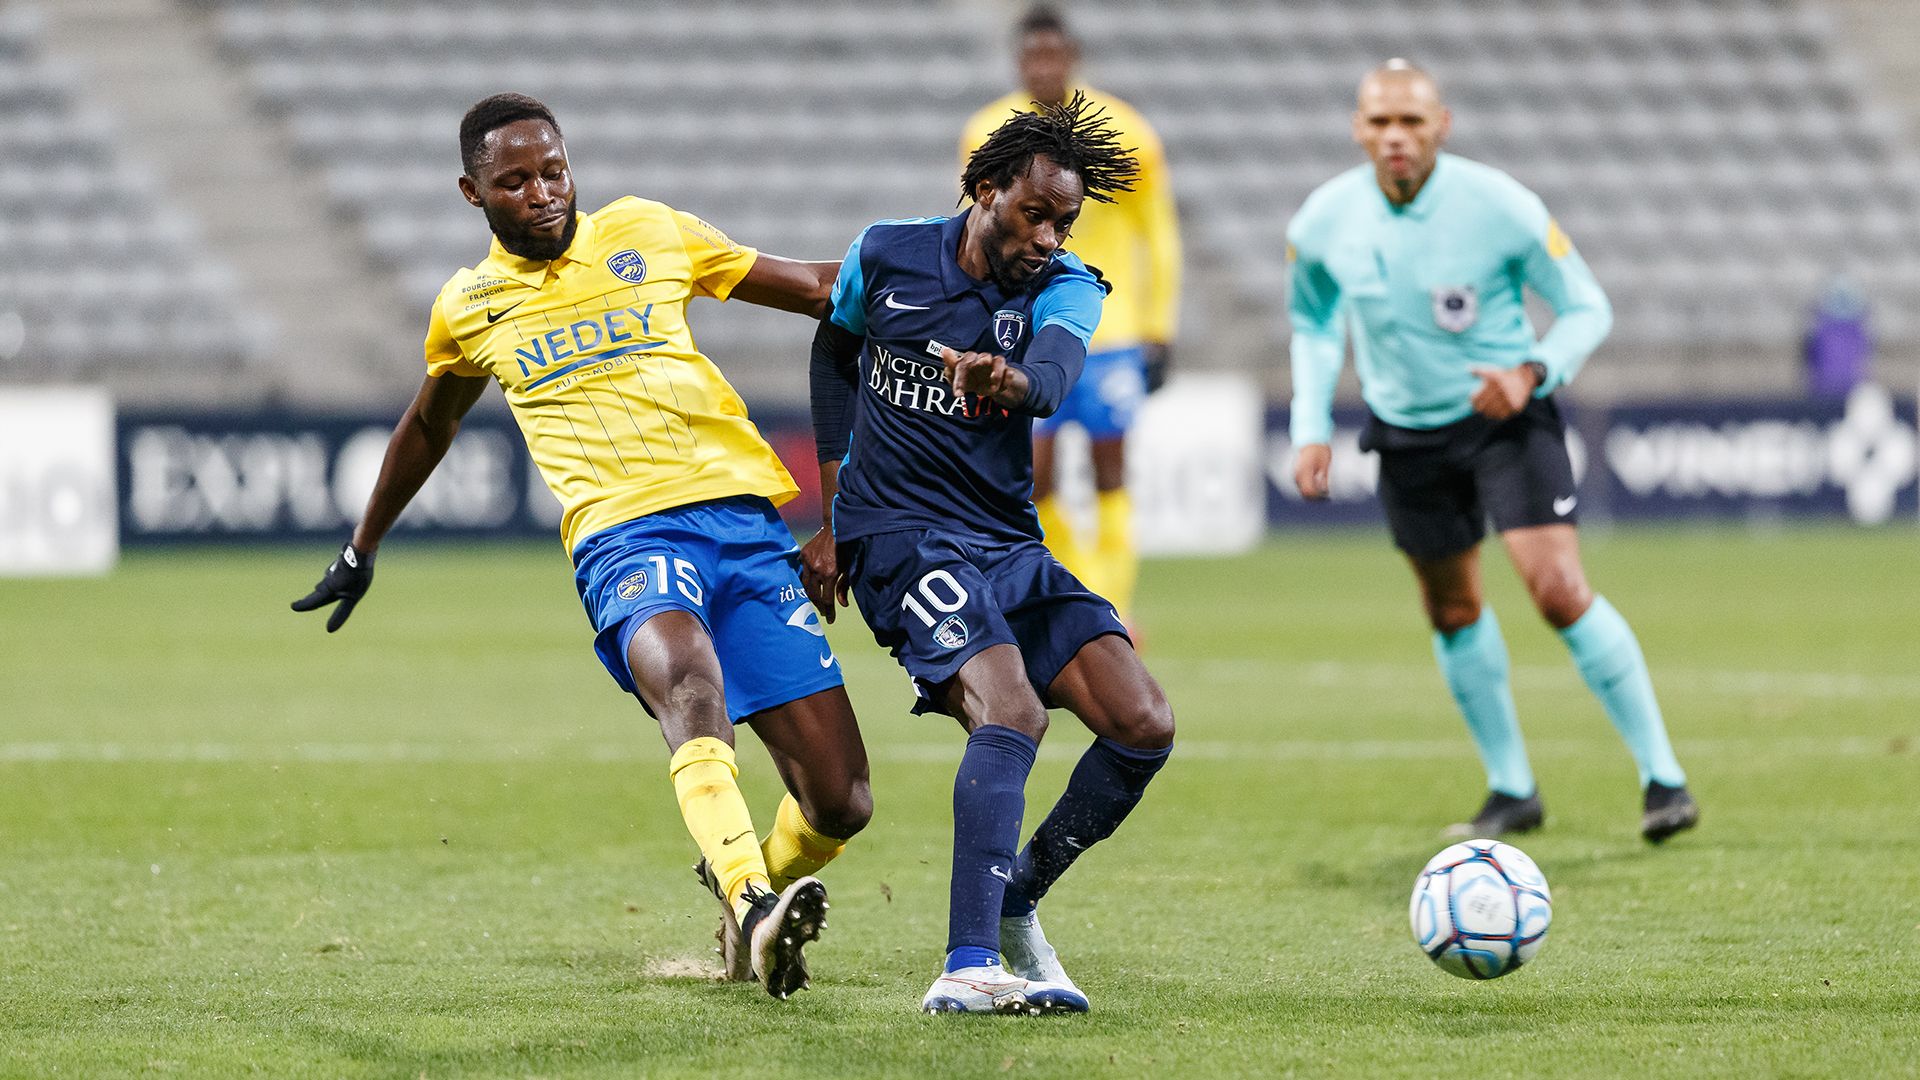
1105	786
989	797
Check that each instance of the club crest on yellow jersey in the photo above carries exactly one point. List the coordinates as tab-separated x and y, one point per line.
628	266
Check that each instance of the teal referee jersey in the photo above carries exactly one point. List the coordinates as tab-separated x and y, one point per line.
1429	291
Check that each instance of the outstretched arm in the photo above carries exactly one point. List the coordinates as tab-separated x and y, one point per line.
419	441
788	284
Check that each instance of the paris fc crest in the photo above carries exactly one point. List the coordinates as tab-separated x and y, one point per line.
1007	328
1456	308
951	633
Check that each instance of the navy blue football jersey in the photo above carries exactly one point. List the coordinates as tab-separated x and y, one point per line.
920	456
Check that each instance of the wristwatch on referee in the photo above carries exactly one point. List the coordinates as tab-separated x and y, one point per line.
1539	371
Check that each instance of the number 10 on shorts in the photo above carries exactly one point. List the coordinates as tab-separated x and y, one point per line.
941	591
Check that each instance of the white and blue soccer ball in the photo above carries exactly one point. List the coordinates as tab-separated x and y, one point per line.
1481	909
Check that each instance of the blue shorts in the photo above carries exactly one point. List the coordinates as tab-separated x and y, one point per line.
937	599
734	565
1105	397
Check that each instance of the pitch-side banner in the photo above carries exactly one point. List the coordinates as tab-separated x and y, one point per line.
56	481
1756	460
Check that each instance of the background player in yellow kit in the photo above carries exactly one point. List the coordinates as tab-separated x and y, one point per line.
668	494
1134	242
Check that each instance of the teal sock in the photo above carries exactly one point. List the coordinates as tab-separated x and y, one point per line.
1474	660
1609	659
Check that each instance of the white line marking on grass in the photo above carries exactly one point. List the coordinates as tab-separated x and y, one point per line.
1341	674
1064	748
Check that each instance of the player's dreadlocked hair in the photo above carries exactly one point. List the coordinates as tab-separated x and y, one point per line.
1076	136
495	112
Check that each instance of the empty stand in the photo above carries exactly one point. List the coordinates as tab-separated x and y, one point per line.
104	274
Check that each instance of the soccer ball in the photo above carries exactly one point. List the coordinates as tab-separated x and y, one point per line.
1480	909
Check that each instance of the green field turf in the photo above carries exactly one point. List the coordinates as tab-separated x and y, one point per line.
440	843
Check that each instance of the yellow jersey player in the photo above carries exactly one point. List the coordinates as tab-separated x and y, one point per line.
1134	242
668	493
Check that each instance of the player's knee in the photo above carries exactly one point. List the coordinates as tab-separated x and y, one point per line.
1452	614
692	701
1149	726
1561	596
846	813
1022	713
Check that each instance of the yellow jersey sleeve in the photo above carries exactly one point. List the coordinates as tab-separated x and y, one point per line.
1156	223
716	263
444	356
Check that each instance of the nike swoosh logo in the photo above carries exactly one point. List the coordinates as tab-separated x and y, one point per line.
898	306
826	660
1001	874
1563	507
731	839
493	318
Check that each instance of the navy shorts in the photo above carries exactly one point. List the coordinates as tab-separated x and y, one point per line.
1104	400
937	599
733	565
1439	486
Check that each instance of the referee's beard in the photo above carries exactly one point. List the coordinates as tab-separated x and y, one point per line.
524	242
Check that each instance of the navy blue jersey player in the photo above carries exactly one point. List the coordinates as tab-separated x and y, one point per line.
948	336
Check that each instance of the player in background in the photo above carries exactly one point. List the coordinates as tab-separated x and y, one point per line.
668	492
1425	255
947	337
1134	242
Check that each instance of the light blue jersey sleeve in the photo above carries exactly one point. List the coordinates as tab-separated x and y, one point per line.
1319	340
849	296
1582	316
1071	301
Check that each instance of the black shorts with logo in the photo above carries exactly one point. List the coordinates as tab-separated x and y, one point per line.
1439	486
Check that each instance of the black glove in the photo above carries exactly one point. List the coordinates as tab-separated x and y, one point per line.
1159	360
347	579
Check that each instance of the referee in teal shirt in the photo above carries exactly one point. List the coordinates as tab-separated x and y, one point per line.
1424	256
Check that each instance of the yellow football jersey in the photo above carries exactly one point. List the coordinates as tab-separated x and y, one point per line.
622	413
1135	240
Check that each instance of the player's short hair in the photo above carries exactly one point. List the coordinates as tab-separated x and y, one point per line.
489	114
1076	136
1041	19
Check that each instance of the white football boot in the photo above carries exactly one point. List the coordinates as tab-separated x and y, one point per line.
777	928
988	988
1024	947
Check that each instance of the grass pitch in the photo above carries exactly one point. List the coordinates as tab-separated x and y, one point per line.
440	843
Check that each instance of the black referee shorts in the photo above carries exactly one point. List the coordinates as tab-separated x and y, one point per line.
1439	486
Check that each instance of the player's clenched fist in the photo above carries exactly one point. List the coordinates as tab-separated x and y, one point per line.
983	375
347	579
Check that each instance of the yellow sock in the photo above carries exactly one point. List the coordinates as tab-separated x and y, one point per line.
704	779
1061	538
794	848
1114	552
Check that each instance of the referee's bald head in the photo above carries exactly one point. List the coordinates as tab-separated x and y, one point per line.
1402	72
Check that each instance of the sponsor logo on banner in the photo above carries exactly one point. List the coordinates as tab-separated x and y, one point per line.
57	503
1858	459
1796	457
